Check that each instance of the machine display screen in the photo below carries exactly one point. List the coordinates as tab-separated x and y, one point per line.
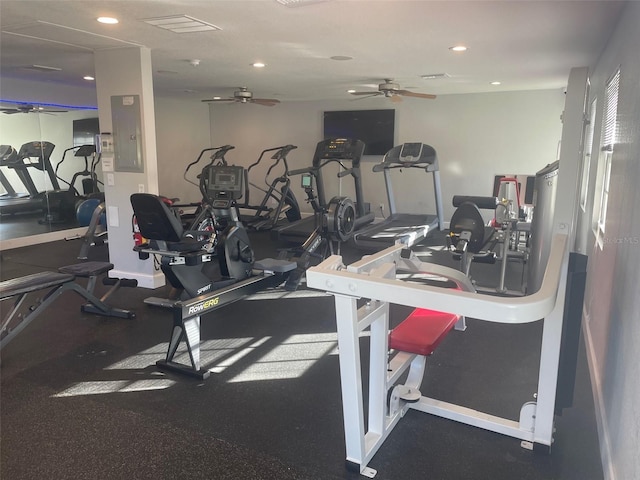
224	179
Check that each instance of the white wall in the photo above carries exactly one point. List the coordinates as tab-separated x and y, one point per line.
612	321
182	133
476	137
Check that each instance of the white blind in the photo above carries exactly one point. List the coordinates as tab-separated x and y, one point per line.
611	112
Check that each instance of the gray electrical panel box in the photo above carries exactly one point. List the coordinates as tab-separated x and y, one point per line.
127	133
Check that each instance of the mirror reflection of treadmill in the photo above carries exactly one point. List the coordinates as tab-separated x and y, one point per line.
343	150
31	155
407	228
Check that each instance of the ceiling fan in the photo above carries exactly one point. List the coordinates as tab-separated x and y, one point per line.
393	91
245	96
28	108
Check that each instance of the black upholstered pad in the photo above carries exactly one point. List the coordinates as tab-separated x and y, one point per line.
31	283
86	269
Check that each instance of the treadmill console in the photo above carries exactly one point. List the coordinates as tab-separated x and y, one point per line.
8	155
411	150
339	149
413	154
40	150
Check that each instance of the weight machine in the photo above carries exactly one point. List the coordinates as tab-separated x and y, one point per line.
374	278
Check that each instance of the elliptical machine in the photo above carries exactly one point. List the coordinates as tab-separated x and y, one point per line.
266	217
63	204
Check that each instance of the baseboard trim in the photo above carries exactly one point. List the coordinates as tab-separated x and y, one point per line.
601	419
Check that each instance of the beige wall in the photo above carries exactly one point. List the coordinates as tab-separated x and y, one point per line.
476	136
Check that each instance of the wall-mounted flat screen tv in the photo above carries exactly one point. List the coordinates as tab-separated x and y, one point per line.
85	131
374	127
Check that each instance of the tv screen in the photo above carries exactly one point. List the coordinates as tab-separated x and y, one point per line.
85	131
374	127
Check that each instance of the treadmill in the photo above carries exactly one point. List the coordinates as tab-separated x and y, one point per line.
341	150
406	228
36	155
8	156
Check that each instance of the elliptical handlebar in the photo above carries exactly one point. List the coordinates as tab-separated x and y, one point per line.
218	155
282	152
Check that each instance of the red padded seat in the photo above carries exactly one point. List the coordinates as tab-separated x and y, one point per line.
422	331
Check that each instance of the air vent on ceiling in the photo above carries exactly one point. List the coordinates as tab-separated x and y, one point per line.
42	68
181	24
298	3
434	76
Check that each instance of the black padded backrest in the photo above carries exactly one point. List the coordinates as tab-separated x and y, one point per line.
467	217
155	220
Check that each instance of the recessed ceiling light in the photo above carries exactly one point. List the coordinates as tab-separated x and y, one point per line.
217	98
108	20
259	65
458	48
88	77
496	83
351	90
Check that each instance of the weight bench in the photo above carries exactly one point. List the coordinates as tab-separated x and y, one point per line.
415	338
58	283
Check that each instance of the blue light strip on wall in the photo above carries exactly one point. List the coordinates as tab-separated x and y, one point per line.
56	105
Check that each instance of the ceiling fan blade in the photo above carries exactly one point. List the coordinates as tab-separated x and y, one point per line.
267	102
395	98
366	93
219	100
407	93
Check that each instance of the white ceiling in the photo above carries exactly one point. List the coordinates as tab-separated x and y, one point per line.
523	44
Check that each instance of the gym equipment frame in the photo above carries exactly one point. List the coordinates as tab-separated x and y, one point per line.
59	282
374	278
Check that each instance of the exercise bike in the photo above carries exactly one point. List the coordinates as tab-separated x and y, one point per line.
266	217
185	263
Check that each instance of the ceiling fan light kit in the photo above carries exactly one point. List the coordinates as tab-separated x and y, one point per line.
392	90
243	95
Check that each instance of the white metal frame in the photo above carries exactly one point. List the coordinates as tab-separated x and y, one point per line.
374	278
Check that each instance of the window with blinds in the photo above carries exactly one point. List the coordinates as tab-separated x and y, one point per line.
609	137
586	160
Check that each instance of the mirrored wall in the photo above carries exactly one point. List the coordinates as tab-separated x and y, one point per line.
45	172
